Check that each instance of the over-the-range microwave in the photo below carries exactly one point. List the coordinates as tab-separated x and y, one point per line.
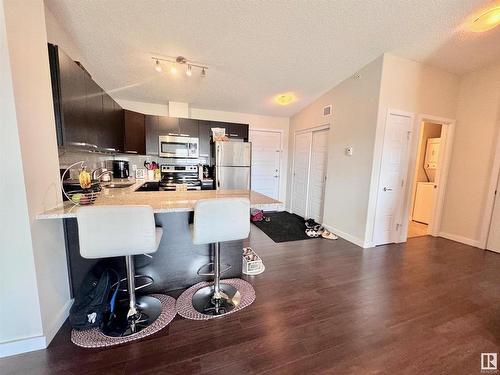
170	146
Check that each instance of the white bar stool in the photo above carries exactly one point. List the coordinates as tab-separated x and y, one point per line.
112	231
215	221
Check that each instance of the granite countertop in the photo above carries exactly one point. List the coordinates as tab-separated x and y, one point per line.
161	201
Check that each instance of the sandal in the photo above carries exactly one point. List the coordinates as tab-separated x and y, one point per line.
329	235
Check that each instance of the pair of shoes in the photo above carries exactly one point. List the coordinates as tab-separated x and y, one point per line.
310	223
315	233
328	235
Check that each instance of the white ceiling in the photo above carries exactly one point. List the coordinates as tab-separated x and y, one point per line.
256	49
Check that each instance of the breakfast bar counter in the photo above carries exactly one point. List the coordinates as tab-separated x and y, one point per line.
175	264
162	201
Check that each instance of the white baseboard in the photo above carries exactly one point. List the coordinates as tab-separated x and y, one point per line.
59	320
22	346
457	238
346	236
30	344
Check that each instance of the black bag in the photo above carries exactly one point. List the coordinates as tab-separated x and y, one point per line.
92	302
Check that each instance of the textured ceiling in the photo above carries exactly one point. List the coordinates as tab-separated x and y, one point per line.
256	49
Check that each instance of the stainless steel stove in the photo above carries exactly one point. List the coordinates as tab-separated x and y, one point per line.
173	175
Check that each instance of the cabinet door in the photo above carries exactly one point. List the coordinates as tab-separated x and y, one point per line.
204	135
106	132
94	114
72	100
135	133
118	127
237	131
188	127
168	125
152	132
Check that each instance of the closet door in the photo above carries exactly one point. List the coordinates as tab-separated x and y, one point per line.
301	158
317	175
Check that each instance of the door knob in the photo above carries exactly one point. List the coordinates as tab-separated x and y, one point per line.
387	189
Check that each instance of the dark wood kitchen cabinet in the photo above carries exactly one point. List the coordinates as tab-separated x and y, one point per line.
188	127
205	134
85	115
151	124
135	133
168	125
237	131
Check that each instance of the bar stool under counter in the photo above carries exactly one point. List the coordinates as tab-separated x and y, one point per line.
115	231
215	221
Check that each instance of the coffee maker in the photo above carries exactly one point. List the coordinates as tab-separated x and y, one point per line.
120	169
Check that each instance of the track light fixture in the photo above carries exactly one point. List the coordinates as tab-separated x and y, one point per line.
177	62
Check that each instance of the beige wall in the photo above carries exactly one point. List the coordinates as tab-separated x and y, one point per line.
37	164
478	121
353	123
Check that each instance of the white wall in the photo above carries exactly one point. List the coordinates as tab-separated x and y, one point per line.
478	124
36	176
355	104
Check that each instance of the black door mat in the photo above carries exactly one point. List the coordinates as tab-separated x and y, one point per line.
283	227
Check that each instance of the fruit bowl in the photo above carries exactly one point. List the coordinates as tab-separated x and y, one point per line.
83	192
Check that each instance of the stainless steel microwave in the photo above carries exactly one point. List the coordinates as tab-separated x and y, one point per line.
170	146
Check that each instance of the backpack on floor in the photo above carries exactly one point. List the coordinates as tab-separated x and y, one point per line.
93	299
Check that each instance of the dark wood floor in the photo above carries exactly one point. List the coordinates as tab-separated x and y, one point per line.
428	306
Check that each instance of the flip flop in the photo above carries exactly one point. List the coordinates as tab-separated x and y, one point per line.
328	235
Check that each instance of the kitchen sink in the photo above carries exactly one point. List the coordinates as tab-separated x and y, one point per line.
118	185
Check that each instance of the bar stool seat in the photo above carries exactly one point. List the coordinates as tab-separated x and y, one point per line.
215	221
112	231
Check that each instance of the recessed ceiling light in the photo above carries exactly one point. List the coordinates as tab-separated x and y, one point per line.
285	98
486	21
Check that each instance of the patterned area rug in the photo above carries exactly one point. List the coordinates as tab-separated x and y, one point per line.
185	307
93	338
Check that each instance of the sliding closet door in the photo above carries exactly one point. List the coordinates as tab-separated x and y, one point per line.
301	157
317	175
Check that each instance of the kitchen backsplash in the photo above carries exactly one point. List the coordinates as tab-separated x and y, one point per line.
94	160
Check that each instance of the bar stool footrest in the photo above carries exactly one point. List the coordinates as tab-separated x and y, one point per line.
226	268
150	282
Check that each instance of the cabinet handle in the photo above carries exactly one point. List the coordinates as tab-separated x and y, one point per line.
173	133
387	189
184	135
233	135
131	152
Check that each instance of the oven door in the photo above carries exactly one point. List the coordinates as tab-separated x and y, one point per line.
178	147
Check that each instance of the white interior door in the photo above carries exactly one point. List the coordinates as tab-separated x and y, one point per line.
392	173
317	175
493	242
301	158
266	155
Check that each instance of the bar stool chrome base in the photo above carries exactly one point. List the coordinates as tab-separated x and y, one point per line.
148	309
204	300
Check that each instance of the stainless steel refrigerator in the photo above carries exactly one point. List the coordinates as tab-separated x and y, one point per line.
232	165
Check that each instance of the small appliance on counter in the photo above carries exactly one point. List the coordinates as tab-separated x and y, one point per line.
174	175
120	169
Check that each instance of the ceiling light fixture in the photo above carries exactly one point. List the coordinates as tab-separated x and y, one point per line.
179	60
158	67
285	98
486	21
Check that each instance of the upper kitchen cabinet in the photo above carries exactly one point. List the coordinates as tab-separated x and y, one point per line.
168	125
69	94
237	131
152	128
85	115
188	127
135	133
204	134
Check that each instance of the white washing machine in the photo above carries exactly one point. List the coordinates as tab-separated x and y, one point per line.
424	201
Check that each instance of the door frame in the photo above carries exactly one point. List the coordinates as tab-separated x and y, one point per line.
408	155
447	133
297	132
280	132
490	197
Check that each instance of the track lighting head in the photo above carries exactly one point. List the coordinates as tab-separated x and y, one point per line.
203	72
158	67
